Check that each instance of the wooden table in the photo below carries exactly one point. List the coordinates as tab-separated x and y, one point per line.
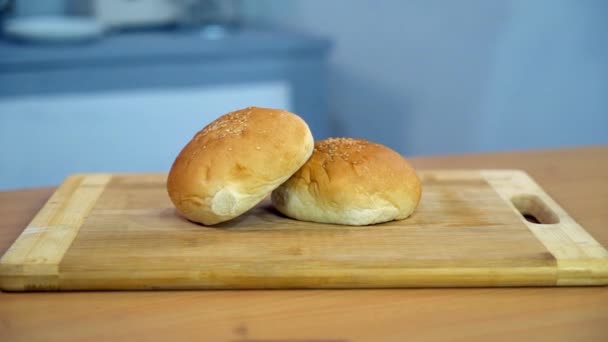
575	178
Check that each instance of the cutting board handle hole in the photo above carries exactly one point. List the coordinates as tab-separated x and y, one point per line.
534	210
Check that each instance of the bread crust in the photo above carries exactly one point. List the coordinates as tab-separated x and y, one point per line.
236	161
352	182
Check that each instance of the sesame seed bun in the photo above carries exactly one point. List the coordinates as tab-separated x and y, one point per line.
352	182
236	161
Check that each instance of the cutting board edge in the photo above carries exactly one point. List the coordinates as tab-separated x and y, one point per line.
581	260
32	261
327	279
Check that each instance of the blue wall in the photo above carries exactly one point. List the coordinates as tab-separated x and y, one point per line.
549	81
433	76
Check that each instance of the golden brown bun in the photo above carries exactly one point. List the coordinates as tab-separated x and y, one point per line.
236	161
350	181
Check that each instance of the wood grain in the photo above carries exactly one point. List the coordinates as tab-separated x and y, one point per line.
577	179
32	262
123	233
580	259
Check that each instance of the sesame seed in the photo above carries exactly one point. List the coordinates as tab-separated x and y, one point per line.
231	124
346	149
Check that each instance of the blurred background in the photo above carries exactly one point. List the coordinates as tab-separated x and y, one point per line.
122	85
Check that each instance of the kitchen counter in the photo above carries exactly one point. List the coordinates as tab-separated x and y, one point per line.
156	46
576	178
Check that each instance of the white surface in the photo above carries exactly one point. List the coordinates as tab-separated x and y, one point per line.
45	138
53	28
122	13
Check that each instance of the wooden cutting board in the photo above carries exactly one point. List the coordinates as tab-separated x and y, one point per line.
119	232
